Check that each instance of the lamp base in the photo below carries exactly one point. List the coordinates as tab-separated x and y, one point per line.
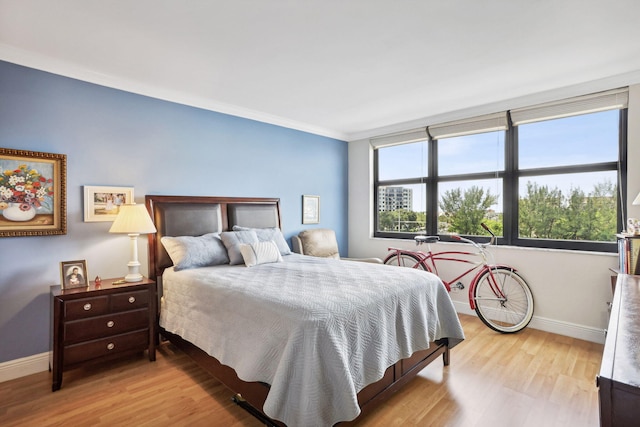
133	277
133	265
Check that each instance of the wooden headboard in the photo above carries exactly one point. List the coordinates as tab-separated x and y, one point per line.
198	215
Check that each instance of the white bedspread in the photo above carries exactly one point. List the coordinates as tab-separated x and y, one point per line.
317	330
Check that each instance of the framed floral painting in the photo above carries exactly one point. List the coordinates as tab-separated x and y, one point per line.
103	203
33	194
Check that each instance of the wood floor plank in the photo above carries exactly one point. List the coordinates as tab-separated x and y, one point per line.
531	378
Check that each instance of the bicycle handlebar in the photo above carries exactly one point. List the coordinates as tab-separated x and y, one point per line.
432	239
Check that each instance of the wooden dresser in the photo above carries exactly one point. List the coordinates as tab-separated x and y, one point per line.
619	378
101	322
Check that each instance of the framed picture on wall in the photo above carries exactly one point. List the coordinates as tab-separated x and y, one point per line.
73	274
33	194
310	209
103	203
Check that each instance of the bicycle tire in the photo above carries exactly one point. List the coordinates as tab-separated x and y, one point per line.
404	260
510	315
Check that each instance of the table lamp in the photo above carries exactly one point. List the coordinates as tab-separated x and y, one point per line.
133	220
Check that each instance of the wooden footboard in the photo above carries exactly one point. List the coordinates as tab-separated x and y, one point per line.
252	395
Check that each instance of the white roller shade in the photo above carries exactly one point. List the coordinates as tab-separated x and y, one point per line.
399	138
480	124
610	100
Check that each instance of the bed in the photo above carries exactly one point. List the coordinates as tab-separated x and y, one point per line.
301	340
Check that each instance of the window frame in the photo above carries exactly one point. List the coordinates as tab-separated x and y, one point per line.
510	178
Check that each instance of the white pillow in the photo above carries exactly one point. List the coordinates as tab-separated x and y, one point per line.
195	251
260	253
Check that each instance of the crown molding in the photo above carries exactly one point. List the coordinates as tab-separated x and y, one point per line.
579	89
67	69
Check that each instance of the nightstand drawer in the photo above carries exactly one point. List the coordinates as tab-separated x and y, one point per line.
102	326
137	340
129	300
86	307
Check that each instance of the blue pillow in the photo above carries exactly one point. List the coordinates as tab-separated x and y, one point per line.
273	234
232	241
195	251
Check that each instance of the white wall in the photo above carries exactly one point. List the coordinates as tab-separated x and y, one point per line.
571	288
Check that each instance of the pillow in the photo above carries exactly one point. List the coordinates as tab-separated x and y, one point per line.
269	234
260	253
191	252
232	241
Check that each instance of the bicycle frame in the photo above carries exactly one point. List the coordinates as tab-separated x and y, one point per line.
428	260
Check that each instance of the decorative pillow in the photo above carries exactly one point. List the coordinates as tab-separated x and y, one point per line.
260	253
191	252
269	234
232	241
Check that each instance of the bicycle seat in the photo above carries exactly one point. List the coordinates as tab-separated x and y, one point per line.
426	239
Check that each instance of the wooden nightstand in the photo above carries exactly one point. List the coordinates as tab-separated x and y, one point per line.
102	322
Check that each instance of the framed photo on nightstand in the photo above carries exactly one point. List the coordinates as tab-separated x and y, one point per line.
73	274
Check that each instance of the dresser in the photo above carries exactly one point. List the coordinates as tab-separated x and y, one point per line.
619	378
101	322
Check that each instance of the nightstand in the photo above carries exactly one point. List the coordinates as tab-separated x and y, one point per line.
102	322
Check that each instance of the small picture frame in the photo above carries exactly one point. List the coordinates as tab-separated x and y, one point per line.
73	274
103	203
310	209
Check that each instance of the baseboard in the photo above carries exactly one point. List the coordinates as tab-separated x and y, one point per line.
25	366
567	329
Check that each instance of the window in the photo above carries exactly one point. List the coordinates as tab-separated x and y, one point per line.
401	201
544	176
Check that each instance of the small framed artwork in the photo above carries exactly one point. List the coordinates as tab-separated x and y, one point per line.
73	274
310	209
103	203
33	198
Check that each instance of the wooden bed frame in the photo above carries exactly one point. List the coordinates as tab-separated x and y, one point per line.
196	215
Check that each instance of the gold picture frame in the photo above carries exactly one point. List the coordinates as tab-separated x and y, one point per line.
33	193
73	274
310	209
103	203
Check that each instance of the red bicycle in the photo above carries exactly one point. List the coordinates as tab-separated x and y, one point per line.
498	293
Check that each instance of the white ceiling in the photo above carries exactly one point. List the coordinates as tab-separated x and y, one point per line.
341	68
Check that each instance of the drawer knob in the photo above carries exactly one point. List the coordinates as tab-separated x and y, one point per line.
111	346
110	324
132	299
87	306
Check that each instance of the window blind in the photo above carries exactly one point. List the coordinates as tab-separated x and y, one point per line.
610	100
405	137
479	124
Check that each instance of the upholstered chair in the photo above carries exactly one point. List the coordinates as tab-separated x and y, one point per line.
321	242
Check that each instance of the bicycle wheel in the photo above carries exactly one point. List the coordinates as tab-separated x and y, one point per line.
404	260
512	310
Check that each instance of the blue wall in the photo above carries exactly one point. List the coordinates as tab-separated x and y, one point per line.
117	138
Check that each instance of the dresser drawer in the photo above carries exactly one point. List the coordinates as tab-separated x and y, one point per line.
129	300
86	307
137	340
107	325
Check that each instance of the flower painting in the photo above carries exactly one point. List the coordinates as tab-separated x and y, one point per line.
26	187
32	193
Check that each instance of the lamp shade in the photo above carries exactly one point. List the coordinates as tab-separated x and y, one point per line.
133	219
636	201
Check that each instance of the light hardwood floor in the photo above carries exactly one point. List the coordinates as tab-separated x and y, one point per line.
532	378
